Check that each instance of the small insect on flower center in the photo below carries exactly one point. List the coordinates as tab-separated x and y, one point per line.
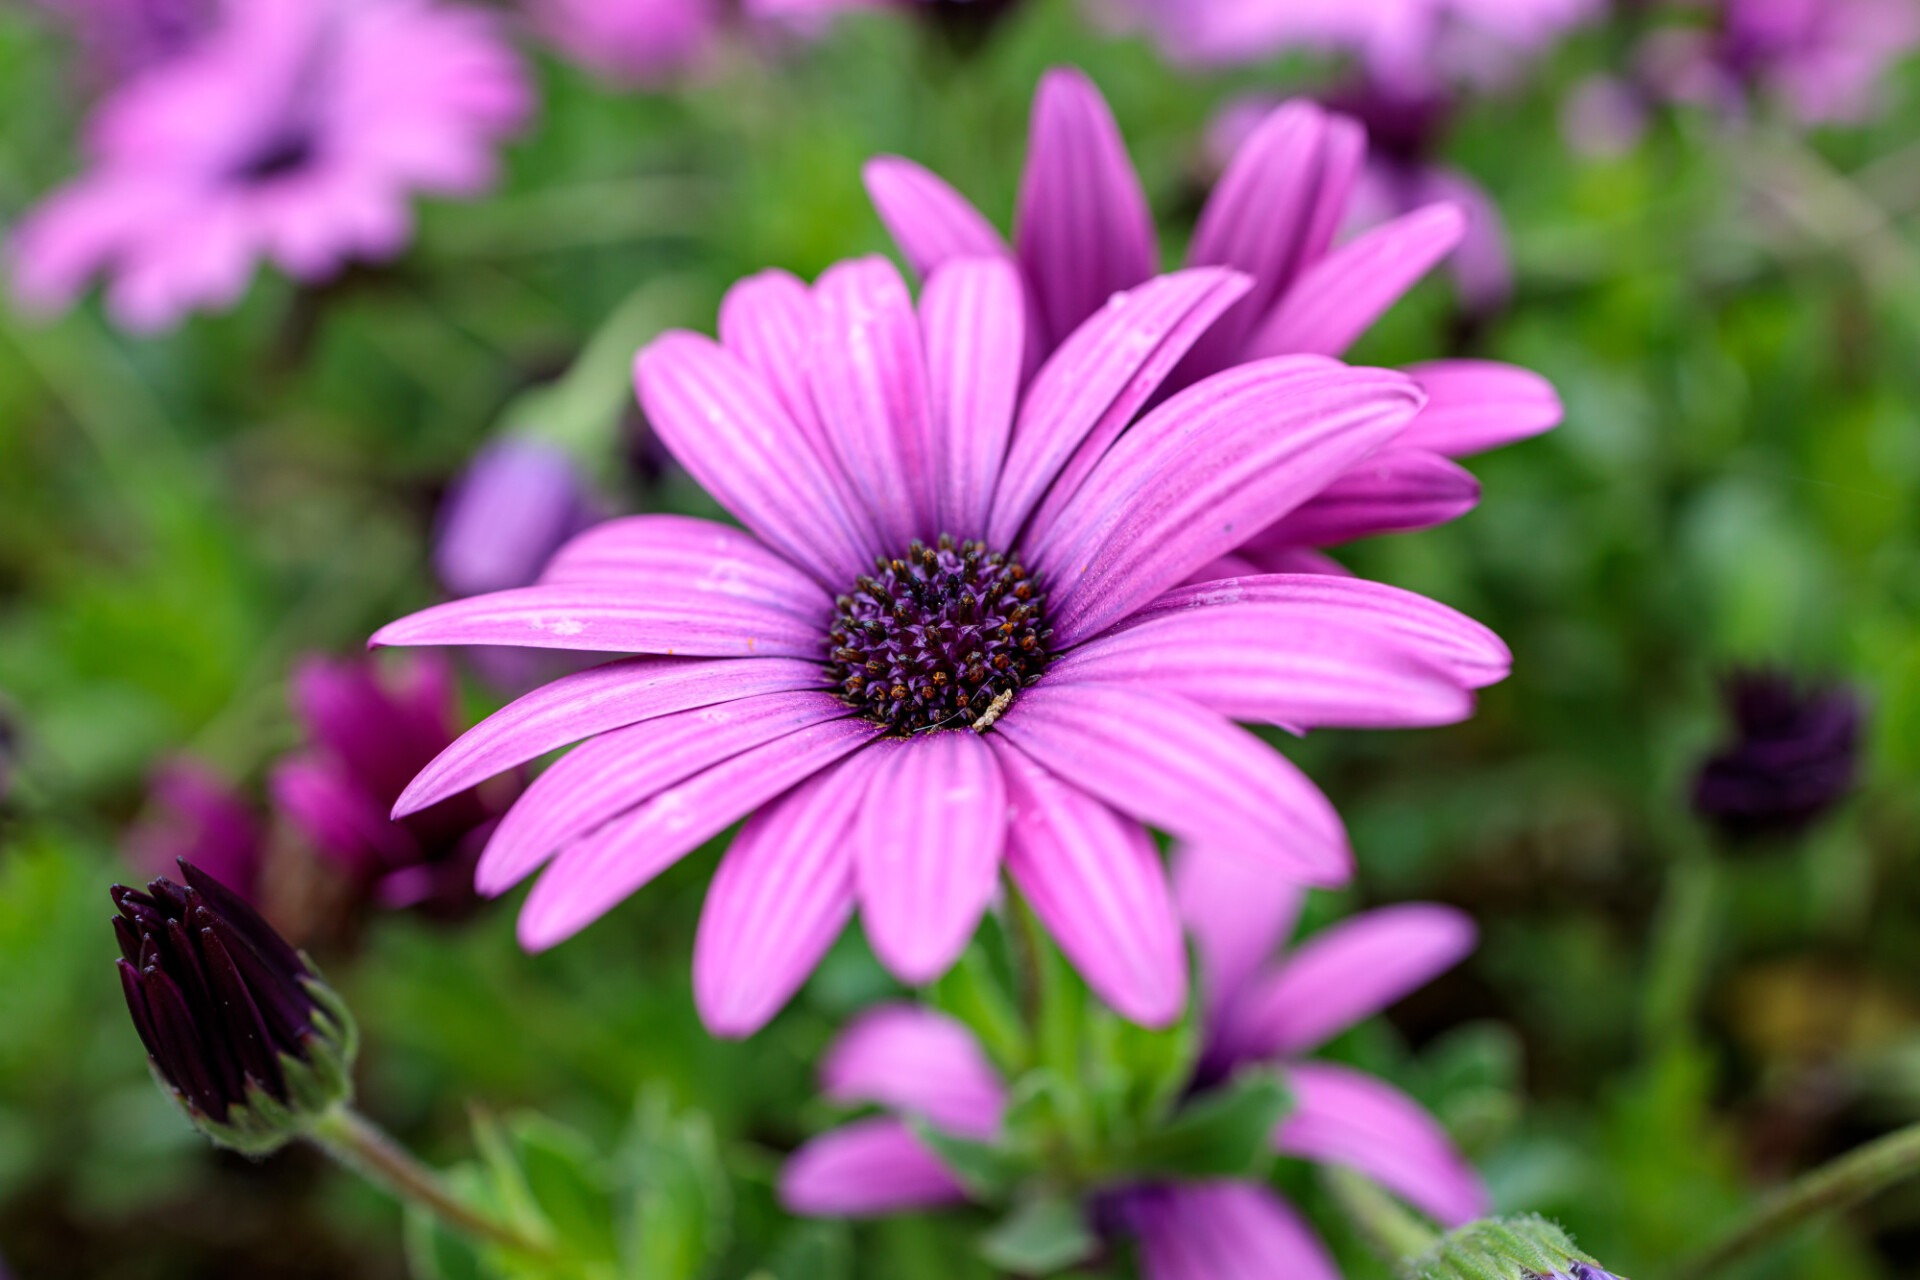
941	637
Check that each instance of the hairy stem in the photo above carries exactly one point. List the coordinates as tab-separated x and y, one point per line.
359	1144
1837	1184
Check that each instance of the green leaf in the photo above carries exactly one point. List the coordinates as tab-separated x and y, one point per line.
435	1253
1042	1236
565	1175
972	993
1221	1134
681	1203
988	1172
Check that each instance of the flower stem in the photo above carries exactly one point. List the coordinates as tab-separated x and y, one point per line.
1393	1233
1837	1184
361	1146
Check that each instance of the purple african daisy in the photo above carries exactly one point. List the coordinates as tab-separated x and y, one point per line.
369	732
952	635
918	1063
1083	233
297	131
635	41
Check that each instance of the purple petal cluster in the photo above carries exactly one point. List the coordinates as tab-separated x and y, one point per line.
296	131
919	1064
1298	174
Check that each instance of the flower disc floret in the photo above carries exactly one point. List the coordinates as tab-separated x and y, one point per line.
941	637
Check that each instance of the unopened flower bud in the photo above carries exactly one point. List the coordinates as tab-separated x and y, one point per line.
238	1026
1522	1248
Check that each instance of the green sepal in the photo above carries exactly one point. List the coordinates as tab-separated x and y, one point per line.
1047	1233
1499	1249
988	1172
1222	1134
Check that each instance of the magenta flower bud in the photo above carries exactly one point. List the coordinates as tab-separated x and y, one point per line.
238	1026
508	512
1794	755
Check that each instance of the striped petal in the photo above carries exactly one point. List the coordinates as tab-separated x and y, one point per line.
585	703
691	556
781	895
1082	231
593	874
1395	491
973	318
618	770
728	429
930	221
1189	771
1340	296
1476	405
928	850
1224	458
1095	880
595	619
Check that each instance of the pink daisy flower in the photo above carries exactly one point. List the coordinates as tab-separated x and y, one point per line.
369	732
1083	233
296	131
914	1062
952	635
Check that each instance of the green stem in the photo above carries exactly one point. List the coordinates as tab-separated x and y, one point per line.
1683	933
359	1144
1395	1234
1835	1185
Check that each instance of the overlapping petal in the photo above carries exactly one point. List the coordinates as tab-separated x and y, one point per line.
975	335
693	556
1395	491
927	218
1476	405
1095	880
1225	1231
1342	1116
918	1061
866	1169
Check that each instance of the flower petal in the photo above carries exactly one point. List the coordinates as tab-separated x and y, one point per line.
1395	491
1474	655
866	1169
1082	230
616	771
724	424
928	850
1475	405
869	374
1184	769
1222	459
1338	297
781	895
927	218
1276	664
973	318
1239	911
1347	972
1095	880
909	1058
1225	1231
769	320
649	618
584	703
1342	1116
1091	387
691	555
595	872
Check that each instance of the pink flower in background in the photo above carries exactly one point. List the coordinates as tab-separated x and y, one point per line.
1821	59
297	131
193	813
368	734
637	41
123	37
517	502
1083	233
952	634
1411	44
915	1062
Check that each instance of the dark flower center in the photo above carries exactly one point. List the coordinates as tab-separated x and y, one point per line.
282	154
942	637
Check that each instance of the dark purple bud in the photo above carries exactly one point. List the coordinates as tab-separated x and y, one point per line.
236	1023
1794	754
